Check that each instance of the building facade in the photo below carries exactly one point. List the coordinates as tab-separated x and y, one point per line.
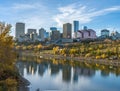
42	34
29	31
86	34
53	28
33	36
105	32
76	25
19	29
67	30
55	35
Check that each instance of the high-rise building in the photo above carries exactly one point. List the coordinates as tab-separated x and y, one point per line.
105	32
55	35
53	28
76	25
42	34
47	35
31	31
20	29
67	30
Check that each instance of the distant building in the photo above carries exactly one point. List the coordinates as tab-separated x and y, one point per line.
47	35
33	36
67	30
23	38
42	34
76	25
85	28
115	35
105	32
86	34
31	31
55	35
53	28
19	29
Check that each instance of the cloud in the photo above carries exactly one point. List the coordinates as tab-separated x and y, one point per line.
35	15
80	12
23	6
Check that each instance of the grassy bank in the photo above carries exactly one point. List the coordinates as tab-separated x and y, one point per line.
49	54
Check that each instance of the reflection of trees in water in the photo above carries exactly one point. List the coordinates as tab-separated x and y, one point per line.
12	88
20	66
79	69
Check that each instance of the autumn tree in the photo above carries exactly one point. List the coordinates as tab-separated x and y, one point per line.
6	44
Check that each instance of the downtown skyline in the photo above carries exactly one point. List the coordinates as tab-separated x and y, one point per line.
53	13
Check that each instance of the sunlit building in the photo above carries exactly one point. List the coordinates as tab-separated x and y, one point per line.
86	34
76	25
67	30
42	34
19	29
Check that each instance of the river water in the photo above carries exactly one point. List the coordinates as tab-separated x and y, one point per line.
62	75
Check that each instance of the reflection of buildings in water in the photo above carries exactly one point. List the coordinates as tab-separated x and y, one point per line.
54	69
66	73
31	67
104	73
41	68
83	72
88	72
75	77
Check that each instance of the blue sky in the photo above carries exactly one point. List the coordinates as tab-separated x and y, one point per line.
96	14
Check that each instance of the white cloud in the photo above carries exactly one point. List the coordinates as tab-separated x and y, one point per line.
23	6
35	15
80	12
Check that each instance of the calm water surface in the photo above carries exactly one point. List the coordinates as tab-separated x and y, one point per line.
64	76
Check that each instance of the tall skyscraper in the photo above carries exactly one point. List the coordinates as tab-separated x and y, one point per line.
42	34
20	29
32	31
67	30
76	25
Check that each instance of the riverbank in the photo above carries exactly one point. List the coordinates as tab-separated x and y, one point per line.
13	81
50	55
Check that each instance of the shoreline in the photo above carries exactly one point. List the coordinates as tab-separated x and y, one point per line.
109	62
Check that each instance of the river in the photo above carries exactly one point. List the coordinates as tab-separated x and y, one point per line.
56	75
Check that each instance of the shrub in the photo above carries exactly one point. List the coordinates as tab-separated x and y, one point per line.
11	82
98	57
88	55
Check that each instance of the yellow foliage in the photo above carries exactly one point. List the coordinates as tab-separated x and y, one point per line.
98	57
11	82
56	50
6	44
88	55
103	56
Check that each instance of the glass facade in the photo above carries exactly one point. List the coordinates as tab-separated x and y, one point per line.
76	26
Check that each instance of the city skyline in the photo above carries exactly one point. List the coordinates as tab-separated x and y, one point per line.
50	13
